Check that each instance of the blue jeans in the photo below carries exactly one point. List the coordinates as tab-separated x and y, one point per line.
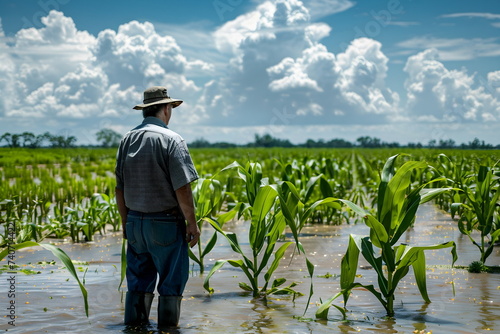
157	250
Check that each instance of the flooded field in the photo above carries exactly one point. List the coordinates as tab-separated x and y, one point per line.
50	302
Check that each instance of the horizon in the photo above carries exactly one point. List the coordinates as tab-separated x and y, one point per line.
442	143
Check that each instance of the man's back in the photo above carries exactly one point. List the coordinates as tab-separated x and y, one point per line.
152	163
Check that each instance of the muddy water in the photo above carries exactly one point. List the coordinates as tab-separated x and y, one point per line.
50	302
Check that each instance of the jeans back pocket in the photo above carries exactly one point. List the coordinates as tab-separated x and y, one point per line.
164	232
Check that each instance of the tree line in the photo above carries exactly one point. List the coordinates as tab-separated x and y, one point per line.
267	140
30	140
105	137
111	138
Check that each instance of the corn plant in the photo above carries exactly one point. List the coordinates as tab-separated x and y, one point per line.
57	229
308	187
208	195
294	209
397	205
296	214
266	227
110	214
458	173
66	218
481	213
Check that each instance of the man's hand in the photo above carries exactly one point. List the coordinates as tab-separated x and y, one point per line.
192	234
185	199
122	209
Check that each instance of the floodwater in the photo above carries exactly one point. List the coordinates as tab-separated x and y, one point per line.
50	302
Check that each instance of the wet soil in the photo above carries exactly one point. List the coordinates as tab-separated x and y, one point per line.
462	302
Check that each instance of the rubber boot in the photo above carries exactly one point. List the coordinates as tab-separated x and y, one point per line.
137	308
169	311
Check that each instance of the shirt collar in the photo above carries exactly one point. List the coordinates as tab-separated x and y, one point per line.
155	121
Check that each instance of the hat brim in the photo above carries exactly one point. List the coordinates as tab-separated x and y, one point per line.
175	103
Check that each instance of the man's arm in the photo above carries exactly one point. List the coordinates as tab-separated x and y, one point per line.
122	209
185	199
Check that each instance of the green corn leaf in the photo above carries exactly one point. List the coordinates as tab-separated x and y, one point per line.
245	286
492	204
395	196
263	203
277	258
288	186
333	202
414	256
493	239
429	195
408	219
349	263
123	262
370	288
378	233
234	164
398	252
326	189
241	264
231	237
206	283
61	255
230	215
358	210
398	275
210	245
407	257
385	177
388	169
277	227
419	270
288	205
464	228
278	282
483	182
233	241
311	184
193	257
265	258
376	263
310	270
322	311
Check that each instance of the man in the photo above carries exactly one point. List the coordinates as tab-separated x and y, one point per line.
153	193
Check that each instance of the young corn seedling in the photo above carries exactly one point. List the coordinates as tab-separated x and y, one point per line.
266	227
208	195
397	205
481	211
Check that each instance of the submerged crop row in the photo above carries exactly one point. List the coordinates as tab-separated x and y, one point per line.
69	194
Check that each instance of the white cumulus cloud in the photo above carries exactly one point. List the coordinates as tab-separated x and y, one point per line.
279	63
57	72
438	94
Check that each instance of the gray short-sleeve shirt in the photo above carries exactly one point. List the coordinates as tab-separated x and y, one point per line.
151	163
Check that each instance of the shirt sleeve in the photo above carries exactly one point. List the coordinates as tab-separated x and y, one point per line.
181	167
119	169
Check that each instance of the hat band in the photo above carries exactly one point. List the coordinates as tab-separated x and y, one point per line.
154	99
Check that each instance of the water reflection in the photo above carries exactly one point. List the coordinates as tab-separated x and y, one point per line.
487	309
386	326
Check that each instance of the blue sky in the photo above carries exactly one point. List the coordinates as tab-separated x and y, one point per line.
399	70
